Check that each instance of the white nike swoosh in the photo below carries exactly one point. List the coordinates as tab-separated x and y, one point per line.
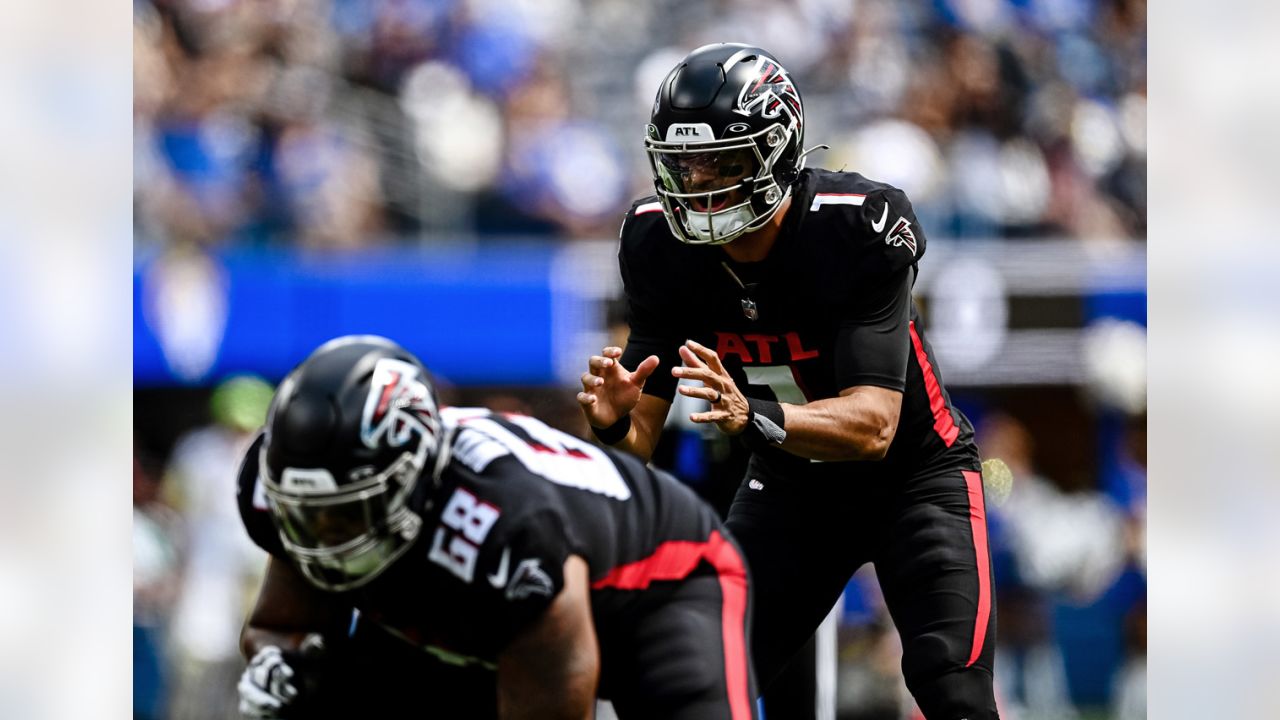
499	579
878	226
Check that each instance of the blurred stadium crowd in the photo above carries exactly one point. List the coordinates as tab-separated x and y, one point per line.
341	123
346	124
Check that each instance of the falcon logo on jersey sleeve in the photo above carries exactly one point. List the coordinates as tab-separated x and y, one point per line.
530	579
901	235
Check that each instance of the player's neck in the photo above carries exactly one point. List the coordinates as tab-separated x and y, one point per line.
755	246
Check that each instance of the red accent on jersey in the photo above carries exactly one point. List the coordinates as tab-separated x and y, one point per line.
797	351
804	389
648	208
942	422
978	523
762	346
674	560
733	618
571	452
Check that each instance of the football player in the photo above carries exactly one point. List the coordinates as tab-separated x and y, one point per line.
485	540
785	293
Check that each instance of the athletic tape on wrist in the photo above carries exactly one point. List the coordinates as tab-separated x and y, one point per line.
767	424
614	434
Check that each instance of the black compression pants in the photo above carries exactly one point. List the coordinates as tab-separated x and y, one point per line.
681	651
804	535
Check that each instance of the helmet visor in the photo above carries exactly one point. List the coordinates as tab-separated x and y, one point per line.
707	181
314	525
342	536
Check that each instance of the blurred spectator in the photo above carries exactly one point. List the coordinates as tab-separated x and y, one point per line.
156	551
1032	674
223	568
1131	683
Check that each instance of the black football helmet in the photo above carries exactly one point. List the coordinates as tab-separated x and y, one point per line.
724	142
349	434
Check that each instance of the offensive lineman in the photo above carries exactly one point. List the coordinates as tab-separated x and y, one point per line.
486	540
787	293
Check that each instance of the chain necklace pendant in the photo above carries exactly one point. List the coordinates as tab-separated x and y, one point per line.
748	305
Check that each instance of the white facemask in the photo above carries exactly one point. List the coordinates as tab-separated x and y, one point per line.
725	223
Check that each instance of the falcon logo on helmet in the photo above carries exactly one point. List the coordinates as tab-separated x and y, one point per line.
398	405
771	93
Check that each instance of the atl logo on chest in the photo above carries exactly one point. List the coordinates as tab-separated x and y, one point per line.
752	348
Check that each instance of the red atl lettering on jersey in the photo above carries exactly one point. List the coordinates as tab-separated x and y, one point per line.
765	353
734	344
731	344
798	352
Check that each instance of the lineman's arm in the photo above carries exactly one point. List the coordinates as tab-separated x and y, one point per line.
288	609
551	669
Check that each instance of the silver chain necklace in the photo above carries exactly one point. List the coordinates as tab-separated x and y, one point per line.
749	308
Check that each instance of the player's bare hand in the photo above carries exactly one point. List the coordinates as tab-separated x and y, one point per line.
729	409
609	390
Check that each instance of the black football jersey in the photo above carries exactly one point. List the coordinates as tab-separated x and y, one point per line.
516	499
828	309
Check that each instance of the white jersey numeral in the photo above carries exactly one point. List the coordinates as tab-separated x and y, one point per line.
470	516
552	455
460	556
471	520
781	379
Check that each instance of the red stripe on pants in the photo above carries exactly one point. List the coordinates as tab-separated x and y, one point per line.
978	523
674	560
942	422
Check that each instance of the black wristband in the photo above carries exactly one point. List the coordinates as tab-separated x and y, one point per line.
613	434
765	426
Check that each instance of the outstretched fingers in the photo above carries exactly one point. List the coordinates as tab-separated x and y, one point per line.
711	416
706	355
644	369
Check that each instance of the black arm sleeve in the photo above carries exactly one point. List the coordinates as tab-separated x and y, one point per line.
872	345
